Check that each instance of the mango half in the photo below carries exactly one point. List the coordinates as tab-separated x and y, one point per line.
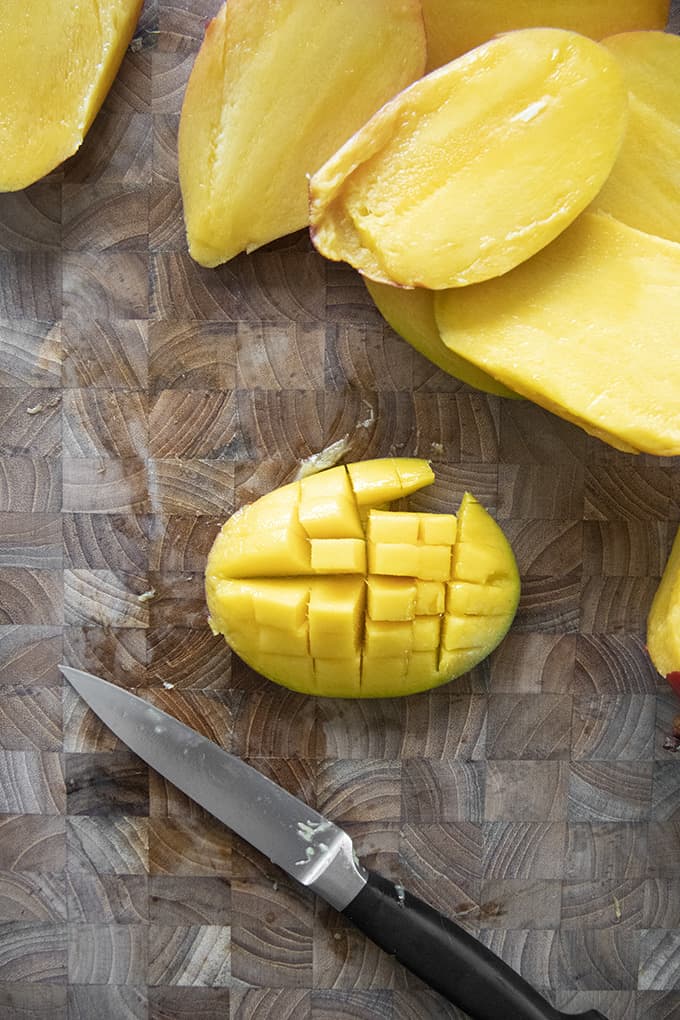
663	622
320	588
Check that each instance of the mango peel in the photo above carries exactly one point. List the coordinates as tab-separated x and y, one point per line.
321	588
663	622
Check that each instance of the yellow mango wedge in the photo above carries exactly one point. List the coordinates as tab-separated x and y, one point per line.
320	588
455	26
58	59
643	189
410	313
275	89
588	328
475	167
663	622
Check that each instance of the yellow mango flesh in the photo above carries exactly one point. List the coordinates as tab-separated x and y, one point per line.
588	328
455	26
475	167
663	622
429	597
275	89
58	59
643	189
410	313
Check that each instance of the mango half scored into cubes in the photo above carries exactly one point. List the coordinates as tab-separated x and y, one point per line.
324	590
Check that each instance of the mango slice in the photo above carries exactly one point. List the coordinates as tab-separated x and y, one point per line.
475	167
426	598
663	622
410	313
455	26
643	189
275	89
588	328
58	59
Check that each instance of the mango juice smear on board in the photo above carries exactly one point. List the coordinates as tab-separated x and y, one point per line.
321	588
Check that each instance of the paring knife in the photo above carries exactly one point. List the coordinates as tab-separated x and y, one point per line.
319	855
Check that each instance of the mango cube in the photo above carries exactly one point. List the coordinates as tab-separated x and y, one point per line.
347	624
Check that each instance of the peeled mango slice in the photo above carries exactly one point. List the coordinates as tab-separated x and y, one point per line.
58	59
643	189
410	313
663	622
275	89
455	26
588	328
323	590
475	167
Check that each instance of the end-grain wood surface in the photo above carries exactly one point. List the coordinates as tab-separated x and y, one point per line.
142	399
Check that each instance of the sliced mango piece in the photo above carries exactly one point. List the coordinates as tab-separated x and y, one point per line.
588	328
454	26
410	313
372	632
256	122
643	189
475	167
663	622
58	60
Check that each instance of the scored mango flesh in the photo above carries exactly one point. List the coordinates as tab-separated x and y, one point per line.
323	590
476	166
58	59
663	622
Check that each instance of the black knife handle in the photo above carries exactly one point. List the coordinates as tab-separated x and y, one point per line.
444	955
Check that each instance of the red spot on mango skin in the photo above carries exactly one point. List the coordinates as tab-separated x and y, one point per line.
674	680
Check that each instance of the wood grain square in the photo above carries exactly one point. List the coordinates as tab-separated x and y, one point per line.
108	845
347	299
275	722
106	285
533	663
30	421
523	850
286	423
540	491
359	791
106	1002
31	720
30	653
345	958
442	864
359	728
175	900
30	483
105	218
613	727
661	903
192	355
626	548
179	544
107	954
30	219
177	597
105	485
609	791
351	1004
367	357
187	658
280	357
549	604
606	850
546	549
31	285
117	542
190	955
613	663
32	843
526	791
442	791
107	423
84	732
33	952
603	903
530	726
599	958
191	1003
193	425
621	1005
611	605
266	286
531	435
32	897
31	596
166	225
30	353
415	1005
117	150
660	960
116	782
117	655
31	540
165	169
26	1001
171	70
615	492
451	483
657	1005
261	1003
209	713
179	846
281	920
665	801
444	725
131	88
520	903
106	899
111	354
105	598
190	486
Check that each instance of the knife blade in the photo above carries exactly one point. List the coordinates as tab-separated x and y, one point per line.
320	855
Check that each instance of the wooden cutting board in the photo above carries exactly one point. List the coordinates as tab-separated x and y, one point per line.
141	400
